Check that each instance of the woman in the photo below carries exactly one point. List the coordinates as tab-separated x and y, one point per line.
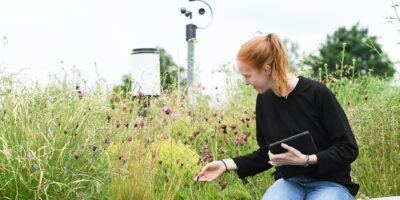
287	105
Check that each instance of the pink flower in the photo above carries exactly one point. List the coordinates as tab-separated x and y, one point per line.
165	136
235	131
238	140
129	138
141	94
245	135
167	111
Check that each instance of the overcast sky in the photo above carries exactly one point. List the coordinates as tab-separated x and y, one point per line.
42	33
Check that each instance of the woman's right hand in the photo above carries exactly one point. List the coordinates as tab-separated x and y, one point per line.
210	172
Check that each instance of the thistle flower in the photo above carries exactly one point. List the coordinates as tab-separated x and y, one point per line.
141	94
126	123
238	140
167	111
107	140
129	138
245	135
165	136
80	94
117	124
108	118
235	131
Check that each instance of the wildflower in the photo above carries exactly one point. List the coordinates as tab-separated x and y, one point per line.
245	135
50	132
205	119
242	118
29	156
108	118
222	126
235	131
129	138
165	136
141	123
238	140
80	94
233	126
223	185
36	166
141	94
126	123
107	140
167	111
49	99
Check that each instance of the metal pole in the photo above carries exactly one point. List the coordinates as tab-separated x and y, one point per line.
190	38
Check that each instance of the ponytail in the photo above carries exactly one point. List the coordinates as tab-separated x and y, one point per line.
268	50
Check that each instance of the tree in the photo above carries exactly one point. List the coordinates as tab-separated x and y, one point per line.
353	51
169	70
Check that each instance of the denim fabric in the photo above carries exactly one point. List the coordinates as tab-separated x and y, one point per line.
306	188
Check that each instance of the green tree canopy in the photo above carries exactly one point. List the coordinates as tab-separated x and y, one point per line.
351	47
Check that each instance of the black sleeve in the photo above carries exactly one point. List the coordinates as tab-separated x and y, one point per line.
344	149
256	162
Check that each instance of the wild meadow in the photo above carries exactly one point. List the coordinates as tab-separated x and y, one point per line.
64	141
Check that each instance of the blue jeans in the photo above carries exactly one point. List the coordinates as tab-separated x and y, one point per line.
306	188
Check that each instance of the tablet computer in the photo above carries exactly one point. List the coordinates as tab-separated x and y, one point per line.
302	142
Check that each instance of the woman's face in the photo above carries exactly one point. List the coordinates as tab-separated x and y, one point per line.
260	79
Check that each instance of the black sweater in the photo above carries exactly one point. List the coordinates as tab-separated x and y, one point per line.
312	107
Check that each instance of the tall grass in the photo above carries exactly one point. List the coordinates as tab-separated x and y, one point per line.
56	143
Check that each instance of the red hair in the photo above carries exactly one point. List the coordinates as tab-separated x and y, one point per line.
267	50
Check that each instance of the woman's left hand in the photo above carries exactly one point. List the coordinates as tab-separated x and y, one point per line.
291	157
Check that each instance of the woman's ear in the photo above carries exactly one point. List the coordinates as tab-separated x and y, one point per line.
267	69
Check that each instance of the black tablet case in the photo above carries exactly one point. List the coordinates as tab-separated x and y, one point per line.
302	142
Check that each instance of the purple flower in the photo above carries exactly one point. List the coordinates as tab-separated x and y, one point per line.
165	136
235	131
233	126
80	94
167	111
50	99
36	166
141	94
245	135
29	156
238	140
